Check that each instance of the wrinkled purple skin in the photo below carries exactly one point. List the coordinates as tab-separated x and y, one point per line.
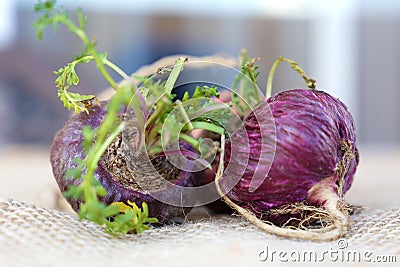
310	125
67	146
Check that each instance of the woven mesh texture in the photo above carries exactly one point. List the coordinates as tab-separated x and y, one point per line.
33	236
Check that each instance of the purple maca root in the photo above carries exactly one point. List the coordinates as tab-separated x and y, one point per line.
118	168
308	139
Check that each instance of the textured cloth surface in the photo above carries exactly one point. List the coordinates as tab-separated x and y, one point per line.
32	236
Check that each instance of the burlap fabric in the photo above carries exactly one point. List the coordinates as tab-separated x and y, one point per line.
32	236
38	229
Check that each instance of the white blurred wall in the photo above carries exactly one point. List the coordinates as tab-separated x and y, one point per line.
349	46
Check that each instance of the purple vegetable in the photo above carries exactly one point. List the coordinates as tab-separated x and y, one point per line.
314	140
118	169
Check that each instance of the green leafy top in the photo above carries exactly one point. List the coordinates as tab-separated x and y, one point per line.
202	107
154	106
295	66
244	99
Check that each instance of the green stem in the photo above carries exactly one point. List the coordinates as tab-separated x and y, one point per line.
156	114
111	65
208	126
73	28
254	82
117	69
295	66
190	140
136	102
93	157
162	102
154	150
102	69
104	136
250	96
169	84
268	90
152	135
184	114
104	145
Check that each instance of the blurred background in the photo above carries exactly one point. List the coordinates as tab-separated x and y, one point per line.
350	46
